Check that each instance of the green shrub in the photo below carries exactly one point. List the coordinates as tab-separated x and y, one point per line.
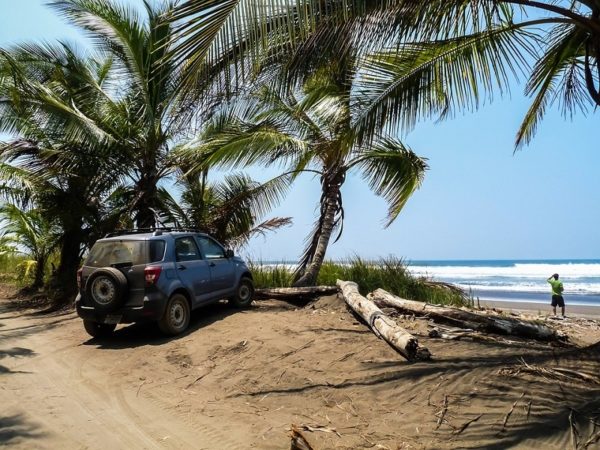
272	275
13	269
390	273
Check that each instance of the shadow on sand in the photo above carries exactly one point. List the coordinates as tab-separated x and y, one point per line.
556	406
26	330
15	352
142	334
13	428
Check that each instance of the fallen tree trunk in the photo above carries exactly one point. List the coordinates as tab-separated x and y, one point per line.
468	319
400	339
292	293
299	442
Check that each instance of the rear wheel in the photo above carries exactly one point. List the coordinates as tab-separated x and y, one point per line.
176	318
106	289
96	329
243	294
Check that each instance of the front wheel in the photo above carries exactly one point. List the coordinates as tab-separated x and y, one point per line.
243	294
97	330
176	317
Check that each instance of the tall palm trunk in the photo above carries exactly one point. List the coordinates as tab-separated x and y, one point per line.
331	205
147	201
40	268
63	284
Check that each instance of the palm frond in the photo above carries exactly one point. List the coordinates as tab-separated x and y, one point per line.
392	171
267	226
559	69
424	79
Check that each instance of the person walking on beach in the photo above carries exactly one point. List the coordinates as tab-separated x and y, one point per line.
557	290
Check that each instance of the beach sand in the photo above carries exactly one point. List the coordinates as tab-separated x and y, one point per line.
543	309
240	379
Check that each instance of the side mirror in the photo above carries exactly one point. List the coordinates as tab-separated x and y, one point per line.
229	253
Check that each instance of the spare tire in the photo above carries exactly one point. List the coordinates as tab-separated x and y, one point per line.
106	289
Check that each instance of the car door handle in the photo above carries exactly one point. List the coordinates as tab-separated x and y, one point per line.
181	267
212	264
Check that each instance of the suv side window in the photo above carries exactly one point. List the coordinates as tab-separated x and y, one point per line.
186	249
157	251
210	248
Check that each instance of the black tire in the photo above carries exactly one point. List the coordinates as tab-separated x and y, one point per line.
176	318
106	289
98	330
243	294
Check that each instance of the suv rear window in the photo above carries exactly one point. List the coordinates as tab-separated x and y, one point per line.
117	253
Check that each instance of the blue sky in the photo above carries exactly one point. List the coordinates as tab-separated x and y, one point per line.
478	200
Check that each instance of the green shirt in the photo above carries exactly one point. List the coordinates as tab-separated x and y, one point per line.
557	286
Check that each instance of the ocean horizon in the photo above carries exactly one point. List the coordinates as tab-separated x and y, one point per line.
516	280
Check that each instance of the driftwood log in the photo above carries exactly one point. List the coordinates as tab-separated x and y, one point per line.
398	338
295	293
299	442
467	319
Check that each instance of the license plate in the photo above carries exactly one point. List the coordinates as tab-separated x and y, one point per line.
112	319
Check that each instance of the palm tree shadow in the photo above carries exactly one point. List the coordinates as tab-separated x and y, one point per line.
16	352
16	427
26	330
554	403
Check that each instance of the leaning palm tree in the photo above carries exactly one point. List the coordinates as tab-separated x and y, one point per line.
31	232
314	132
231	209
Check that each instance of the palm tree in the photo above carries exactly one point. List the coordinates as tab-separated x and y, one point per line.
432	54
228	210
147	109
315	133
468	45
61	162
31	232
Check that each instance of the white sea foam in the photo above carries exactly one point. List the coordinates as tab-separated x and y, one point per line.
578	278
519	270
570	288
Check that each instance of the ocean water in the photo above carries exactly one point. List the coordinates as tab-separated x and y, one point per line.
518	280
512	280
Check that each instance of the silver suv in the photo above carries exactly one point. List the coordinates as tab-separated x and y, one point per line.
157	275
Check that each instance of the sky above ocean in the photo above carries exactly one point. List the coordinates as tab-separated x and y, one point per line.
479	200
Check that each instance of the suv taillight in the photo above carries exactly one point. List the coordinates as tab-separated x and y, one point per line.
151	275
79	278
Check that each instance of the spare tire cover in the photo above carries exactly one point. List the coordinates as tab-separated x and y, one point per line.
106	289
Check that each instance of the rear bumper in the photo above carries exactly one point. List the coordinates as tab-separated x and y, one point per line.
152	310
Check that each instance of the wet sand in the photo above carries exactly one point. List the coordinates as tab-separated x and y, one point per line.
544	309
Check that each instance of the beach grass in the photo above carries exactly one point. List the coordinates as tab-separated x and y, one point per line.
11	272
391	274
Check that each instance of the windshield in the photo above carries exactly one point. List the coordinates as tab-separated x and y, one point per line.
117	253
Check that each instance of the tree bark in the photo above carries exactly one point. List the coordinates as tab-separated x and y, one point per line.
467	319
147	201
315	256
40	267
398	338
63	285
294	293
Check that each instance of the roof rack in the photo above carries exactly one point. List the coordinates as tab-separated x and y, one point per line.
157	230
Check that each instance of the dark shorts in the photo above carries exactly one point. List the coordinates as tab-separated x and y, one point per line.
557	300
